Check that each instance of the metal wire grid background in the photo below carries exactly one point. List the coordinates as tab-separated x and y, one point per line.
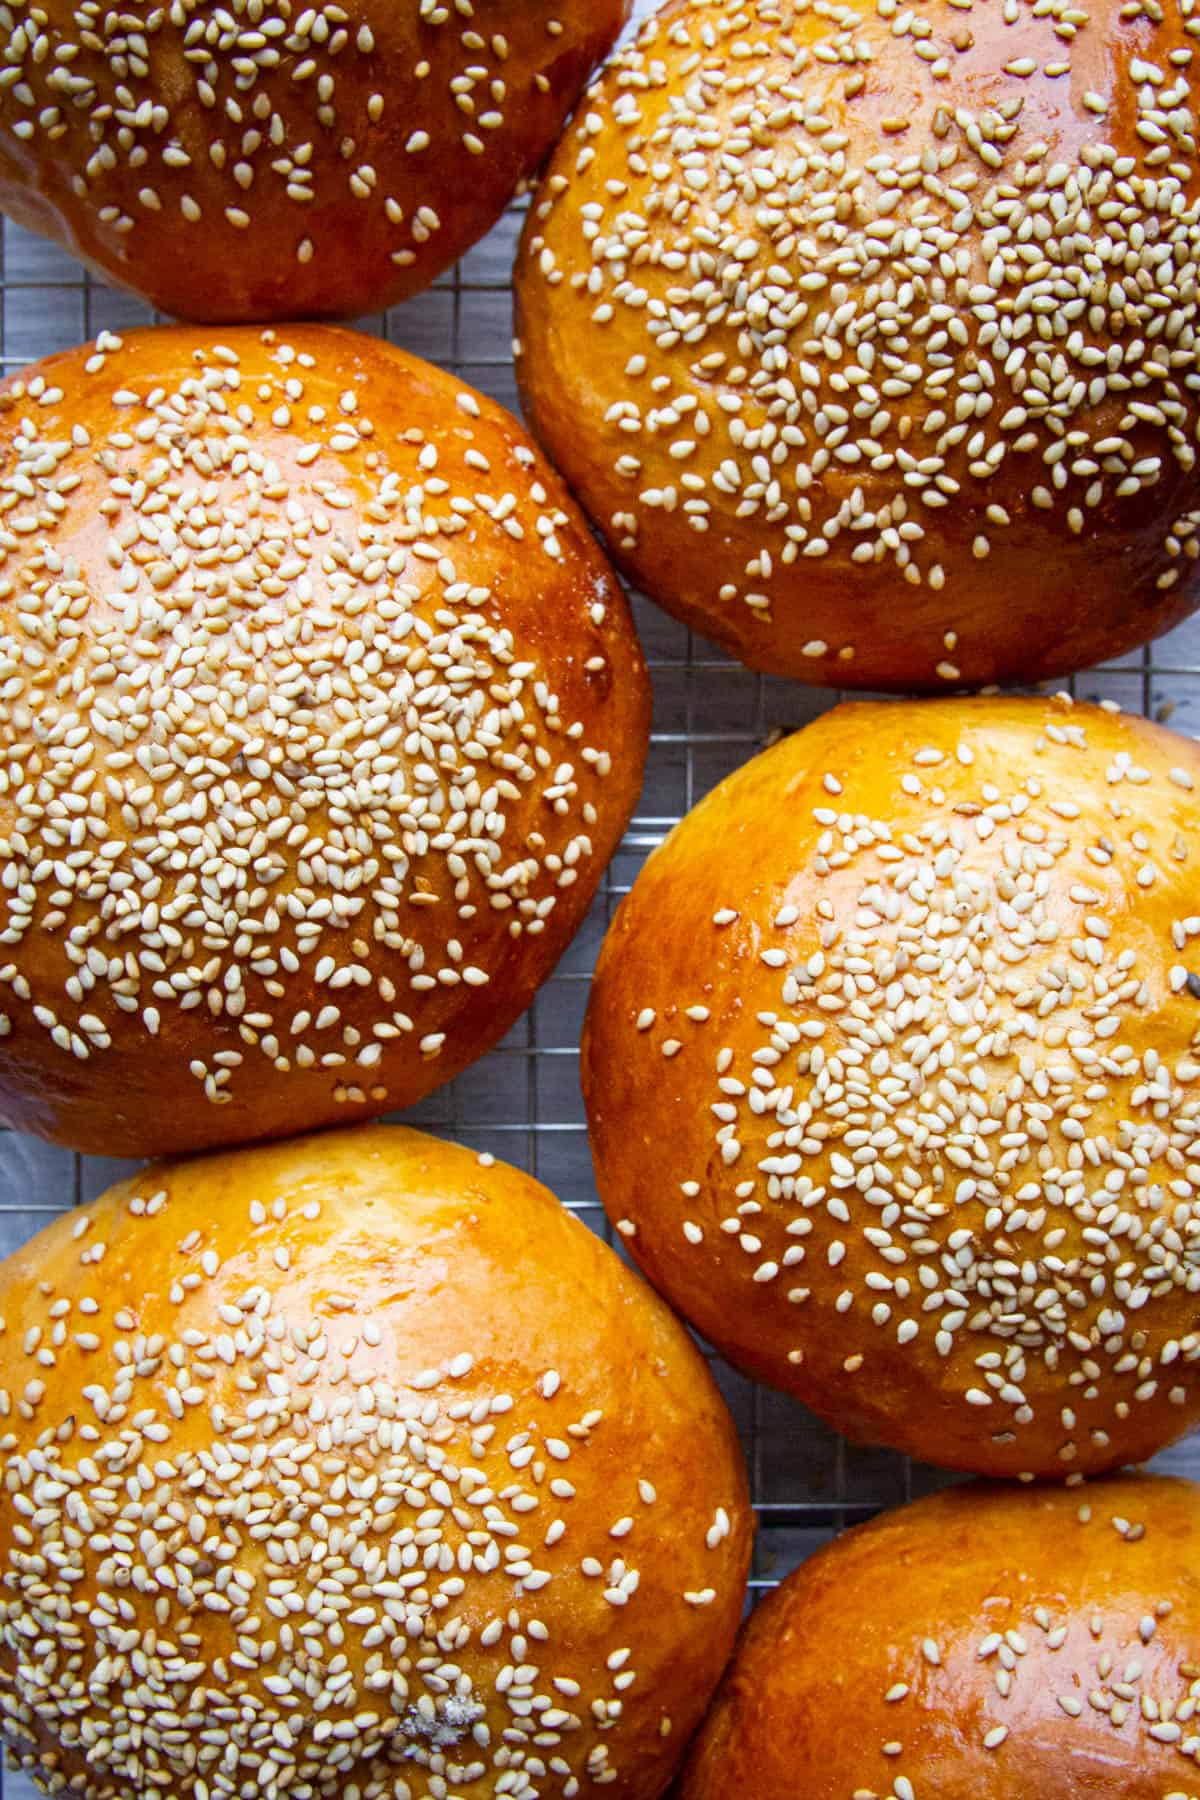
523	1102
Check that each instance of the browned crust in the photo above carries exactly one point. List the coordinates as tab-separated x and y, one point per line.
1070	1646
262	171
343	715
966	1231
392	1277
808	430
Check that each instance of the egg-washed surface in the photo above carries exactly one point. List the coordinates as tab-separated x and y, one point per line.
889	305
268	159
991	1641
922	1058
296	1502
306	725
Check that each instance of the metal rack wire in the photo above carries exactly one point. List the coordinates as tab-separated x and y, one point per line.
522	1102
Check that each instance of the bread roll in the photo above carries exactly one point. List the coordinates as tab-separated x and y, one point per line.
320	717
983	1642
354	1466
900	1108
280	161
867	333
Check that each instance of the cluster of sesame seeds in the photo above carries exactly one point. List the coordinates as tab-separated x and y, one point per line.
277	731
191	115
853	328
969	1112
1114	1686
249	1551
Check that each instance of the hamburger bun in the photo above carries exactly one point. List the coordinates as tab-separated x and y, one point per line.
1026	1647
321	715
281	161
354	1466
902	1113
867	332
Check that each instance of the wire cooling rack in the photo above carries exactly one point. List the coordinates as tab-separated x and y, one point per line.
522	1102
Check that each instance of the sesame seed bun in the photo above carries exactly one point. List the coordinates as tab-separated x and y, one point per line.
983	1642
902	1113
273	161
321	715
355	1465
867	333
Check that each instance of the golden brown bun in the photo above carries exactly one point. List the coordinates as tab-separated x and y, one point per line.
286	162
820	300
321	715
342	1455
983	1642
900	1107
